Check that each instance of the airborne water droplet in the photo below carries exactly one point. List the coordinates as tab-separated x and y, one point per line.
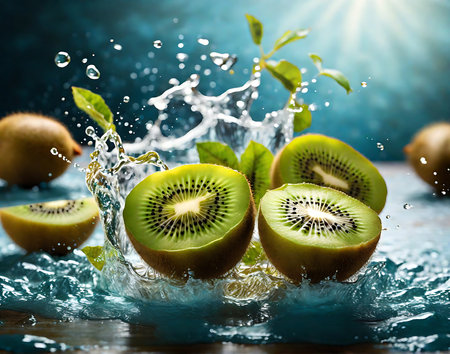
388	216
363	84
54	151
117	47
407	206
126	99
92	72
84	60
157	44
224	61
423	160
62	59
203	41
380	146
182	56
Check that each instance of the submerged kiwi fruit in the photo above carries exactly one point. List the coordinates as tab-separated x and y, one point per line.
316	232
429	154
55	227
191	220
329	162
25	143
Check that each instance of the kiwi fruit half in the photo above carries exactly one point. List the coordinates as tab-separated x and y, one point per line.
316	232
193	220
325	161
25	143
55	227
429	155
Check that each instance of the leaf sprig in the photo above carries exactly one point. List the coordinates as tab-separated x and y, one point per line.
255	163
289	74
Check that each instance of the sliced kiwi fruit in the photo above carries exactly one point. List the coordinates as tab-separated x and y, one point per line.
193	220
329	162
55	227
314	232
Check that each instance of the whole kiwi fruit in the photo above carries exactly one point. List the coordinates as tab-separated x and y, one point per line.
429	155
25	143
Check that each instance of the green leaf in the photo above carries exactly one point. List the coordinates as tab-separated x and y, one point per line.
217	153
316	60
290	36
339	77
95	255
302	116
255	254
288	74
94	106
256	28
255	164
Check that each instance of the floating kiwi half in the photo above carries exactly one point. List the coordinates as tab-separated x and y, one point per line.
325	161
55	227
192	220
316	232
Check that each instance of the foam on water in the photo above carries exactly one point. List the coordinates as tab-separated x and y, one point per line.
401	298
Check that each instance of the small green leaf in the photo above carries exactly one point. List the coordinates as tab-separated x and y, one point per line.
339	77
94	106
256	28
290	36
217	153
255	164
316	60
302	116
95	256
255	254
288	74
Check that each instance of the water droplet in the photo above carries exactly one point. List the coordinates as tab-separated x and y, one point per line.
407	206
157	44
397	227
92	72
435	173
423	160
90	131
84	60
126	99
54	151
363	84
62	59
180	45
203	41
388	216
182	56
117	47
443	192
380	146
174	82
224	61
327	104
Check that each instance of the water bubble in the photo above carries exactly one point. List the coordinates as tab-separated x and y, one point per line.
363	84
182	56
62	59
126	99
388	216
423	160
203	41
224	61
157	44
117	47
54	151
380	146
92	72
407	206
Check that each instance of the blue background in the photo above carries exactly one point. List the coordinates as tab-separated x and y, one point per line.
401	48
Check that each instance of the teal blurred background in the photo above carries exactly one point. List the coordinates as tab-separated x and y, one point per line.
401	48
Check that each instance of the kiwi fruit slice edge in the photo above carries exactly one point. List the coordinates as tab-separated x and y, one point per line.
55	227
325	161
191	220
317	232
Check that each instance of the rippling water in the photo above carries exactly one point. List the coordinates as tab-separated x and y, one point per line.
401	299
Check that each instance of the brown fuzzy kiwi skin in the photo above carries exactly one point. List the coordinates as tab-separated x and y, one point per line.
297	261
53	239
25	143
432	143
211	261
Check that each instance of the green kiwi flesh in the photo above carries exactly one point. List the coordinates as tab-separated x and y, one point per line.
55	227
329	162
191	220
316	232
